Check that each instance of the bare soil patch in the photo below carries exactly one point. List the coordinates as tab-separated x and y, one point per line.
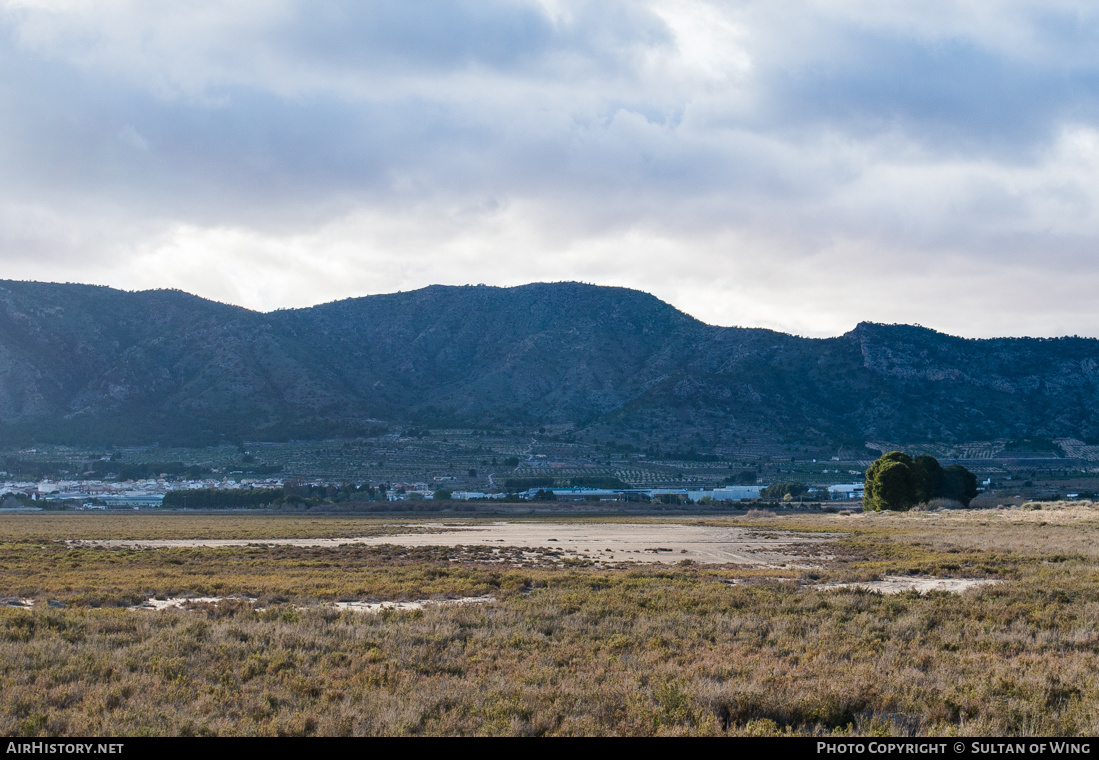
417	605
893	584
191	602
599	543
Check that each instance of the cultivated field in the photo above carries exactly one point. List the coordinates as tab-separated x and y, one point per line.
518	633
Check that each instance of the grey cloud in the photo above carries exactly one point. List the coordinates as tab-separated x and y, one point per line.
437	35
951	96
244	147
341	46
803	124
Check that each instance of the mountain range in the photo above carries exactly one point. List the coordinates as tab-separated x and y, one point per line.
91	364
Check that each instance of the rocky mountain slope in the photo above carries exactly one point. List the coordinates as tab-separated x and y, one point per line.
92	364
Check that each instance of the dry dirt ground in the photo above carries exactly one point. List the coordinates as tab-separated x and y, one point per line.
892	584
602	543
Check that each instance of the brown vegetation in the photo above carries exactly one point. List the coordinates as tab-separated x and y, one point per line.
579	650
149	525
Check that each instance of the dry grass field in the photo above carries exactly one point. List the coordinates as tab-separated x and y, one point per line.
567	647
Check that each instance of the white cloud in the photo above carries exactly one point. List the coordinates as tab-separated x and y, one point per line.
784	165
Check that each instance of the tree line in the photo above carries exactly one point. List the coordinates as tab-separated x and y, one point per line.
291	493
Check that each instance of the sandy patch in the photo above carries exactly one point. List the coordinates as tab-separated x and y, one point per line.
602	543
176	602
418	605
188	602
893	584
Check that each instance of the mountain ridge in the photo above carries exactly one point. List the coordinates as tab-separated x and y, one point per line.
94	364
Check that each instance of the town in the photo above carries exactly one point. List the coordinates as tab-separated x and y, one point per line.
417	465
98	494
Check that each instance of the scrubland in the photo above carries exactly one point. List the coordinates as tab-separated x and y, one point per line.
566	648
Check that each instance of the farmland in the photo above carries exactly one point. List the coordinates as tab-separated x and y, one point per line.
565	644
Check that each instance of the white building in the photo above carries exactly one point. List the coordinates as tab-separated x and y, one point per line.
728	493
846	491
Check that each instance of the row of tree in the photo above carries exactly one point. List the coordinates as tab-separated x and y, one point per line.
212	498
897	481
291	493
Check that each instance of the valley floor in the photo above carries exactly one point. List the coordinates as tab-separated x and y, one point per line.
419	631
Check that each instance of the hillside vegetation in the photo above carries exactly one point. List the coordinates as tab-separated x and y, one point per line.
90	364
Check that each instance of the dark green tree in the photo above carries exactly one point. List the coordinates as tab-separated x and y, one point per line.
958	483
873	496
929	476
895	485
897	481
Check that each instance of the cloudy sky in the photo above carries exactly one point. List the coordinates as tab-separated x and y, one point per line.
794	164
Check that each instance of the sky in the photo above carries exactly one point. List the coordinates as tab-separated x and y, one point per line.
801	165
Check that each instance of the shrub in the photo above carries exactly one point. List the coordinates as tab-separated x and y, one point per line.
940	502
782	490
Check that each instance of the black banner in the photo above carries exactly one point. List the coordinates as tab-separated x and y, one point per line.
138	747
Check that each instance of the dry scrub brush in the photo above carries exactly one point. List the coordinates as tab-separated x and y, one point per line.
645	651
154	525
